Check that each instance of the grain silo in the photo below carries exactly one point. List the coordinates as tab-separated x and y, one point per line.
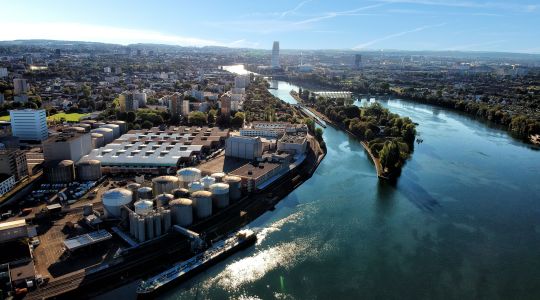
89	170
188	175
202	203
218	176
134	187
145	193
149	222
122	125
167	220
141	229
220	194
59	171
157	224
181	211
195	186
235	185
207	181
143	207
162	200
113	201
98	140
180	193
164	184
107	133
115	128
86	127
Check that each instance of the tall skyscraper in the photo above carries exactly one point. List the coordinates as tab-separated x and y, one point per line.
29	124
275	55
20	86
357	61
127	103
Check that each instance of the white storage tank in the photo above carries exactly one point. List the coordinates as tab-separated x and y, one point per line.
145	193
98	140
181	211
115	128
86	127
188	175
180	193
89	170
107	133
113	201
220	194
163	200
207	181
143	207
202	203
218	176
122	125
235	186
164	184
196	186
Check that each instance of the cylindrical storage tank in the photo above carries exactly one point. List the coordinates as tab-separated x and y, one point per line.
76	129
181	211
134	187
132	224
188	175
145	193
107	133
195	186
220	194
89	122
113	201
218	176
122	125
164	184
59	171
162	200
141	234
114	127
86	127
180	193
149	221
202	203
89	170
235	186
167	220
88	209
143	207
157	225
207	181
98	140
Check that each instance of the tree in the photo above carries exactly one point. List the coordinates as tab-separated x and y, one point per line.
408	133
131	116
147	124
390	155
197	118
319	134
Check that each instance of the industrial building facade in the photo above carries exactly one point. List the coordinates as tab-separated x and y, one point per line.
69	145
244	147
29	124
13	162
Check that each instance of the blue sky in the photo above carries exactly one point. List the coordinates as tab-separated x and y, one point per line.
493	25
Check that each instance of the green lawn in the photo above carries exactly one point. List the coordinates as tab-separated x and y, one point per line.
69	117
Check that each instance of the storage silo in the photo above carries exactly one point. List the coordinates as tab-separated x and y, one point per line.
107	133
86	127
188	175
202	203
76	129
207	181
149	222
157	225
134	187
97	124
122	125
141	229
115	128
89	122
98	140
195	186
113	201
143	207
133	224
235	186
181	211
167	220
145	193
218	176
89	170
162	200
59	171
220	194
164	184
180	193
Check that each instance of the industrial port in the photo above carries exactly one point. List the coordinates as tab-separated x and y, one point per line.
104	218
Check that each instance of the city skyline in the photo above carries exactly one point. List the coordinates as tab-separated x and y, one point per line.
416	25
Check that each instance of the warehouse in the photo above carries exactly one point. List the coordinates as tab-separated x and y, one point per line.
244	147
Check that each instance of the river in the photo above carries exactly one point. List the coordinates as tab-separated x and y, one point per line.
462	222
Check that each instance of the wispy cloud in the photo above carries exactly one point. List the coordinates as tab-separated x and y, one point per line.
105	34
507	5
288	12
330	15
395	35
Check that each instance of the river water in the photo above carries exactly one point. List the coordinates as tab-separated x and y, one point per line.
462	222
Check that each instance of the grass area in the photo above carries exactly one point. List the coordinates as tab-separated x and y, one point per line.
74	117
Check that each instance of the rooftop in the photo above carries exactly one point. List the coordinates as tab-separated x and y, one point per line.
87	239
254	171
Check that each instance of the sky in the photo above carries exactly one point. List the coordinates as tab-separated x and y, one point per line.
461	25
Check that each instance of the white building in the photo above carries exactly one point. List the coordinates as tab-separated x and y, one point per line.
3	72
20	86
7	182
127	102
140	97
275	55
107	69
241	81
244	147
29	124
265	129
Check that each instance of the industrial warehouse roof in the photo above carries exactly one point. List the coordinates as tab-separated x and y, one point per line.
12	224
87	239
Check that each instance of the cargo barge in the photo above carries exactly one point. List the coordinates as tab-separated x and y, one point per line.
181	271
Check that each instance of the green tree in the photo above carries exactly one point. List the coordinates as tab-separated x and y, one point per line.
131	116
146	124
390	155
197	118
